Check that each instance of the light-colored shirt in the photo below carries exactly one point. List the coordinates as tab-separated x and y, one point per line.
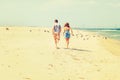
57	28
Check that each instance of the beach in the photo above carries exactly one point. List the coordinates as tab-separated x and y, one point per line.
29	53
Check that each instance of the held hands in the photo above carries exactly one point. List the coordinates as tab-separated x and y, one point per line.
63	33
52	33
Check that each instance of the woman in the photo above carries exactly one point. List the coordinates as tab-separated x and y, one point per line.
66	33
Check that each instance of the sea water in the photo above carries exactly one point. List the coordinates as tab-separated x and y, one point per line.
113	33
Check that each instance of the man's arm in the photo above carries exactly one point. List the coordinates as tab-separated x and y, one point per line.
60	28
53	30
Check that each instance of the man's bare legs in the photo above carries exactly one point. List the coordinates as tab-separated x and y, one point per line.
56	38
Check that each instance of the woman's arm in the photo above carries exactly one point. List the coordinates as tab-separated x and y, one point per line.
71	31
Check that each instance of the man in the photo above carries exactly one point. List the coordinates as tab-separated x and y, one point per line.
56	32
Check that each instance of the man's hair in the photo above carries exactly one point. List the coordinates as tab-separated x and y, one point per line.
56	21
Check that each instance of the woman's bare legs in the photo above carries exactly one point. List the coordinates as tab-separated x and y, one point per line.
67	42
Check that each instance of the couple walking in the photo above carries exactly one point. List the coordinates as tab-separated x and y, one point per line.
56	30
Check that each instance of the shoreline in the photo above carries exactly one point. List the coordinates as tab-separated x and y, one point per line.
112	45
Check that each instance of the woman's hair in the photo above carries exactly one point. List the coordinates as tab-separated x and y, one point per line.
66	25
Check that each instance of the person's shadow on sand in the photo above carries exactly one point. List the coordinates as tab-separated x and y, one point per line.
78	49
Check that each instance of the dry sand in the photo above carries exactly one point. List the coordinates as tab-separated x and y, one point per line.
28	53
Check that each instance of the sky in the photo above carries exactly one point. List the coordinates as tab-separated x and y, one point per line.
79	13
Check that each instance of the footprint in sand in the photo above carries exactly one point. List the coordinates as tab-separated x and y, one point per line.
9	66
2	64
81	78
98	70
27	78
69	79
50	66
76	59
7	28
30	30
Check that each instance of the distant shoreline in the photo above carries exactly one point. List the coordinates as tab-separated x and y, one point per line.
109	28
113	33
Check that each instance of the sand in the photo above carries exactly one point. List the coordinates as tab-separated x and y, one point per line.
29	53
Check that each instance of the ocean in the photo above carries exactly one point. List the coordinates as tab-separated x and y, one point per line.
113	33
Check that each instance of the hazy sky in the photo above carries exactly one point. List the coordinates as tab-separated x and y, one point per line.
79	13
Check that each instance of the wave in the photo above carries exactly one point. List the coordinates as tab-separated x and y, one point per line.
107	30
115	35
